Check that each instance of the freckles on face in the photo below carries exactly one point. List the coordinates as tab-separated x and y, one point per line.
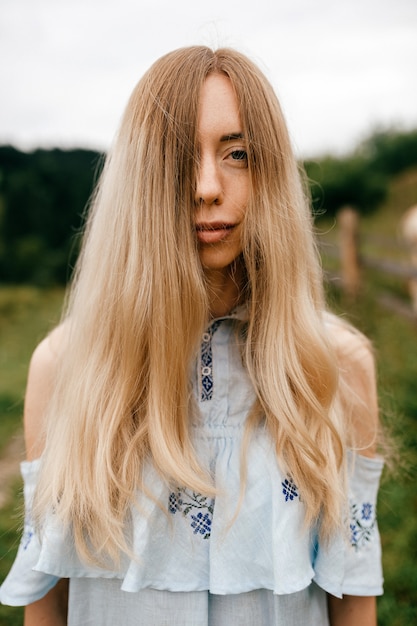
222	178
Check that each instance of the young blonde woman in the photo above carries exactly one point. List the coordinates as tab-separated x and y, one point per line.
200	431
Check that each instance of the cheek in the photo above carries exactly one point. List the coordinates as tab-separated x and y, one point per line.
245	198
241	195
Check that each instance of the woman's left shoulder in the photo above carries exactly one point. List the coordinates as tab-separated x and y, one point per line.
352	348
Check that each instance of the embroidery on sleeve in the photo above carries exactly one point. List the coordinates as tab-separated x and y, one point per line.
289	489
195	507
362	524
26	537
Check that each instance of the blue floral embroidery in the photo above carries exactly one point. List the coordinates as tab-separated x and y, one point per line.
206	363
26	537
196	507
175	502
289	489
362	524
353	535
201	524
366	510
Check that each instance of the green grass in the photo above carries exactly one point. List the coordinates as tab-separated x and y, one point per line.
26	315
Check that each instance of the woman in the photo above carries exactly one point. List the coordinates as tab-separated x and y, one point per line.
200	432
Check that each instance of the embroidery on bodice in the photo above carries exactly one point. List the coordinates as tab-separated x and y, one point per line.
206	363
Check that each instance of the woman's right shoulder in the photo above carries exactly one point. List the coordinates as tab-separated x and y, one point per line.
47	353
40	386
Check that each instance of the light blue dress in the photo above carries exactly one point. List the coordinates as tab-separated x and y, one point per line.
207	562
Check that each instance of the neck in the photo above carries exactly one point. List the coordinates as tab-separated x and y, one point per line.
224	289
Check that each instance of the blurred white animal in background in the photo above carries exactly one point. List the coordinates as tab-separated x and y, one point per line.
408	231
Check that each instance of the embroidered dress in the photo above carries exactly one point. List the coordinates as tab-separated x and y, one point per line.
227	565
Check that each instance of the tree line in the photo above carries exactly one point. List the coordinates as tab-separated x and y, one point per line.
44	194
361	178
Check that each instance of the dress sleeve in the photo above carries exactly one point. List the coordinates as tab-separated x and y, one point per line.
23	585
351	563
363	568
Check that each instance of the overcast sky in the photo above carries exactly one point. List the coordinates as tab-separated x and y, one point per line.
340	68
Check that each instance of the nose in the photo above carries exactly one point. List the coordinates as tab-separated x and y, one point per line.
209	186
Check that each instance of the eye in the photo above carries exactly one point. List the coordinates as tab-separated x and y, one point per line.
239	155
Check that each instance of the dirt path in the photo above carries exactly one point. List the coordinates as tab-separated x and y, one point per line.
9	466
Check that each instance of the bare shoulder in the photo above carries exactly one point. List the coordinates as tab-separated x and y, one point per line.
49	349
352	348
358	383
40	385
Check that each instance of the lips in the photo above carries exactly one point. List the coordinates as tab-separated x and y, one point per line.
213	232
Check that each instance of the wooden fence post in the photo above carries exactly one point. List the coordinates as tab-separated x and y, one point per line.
348	220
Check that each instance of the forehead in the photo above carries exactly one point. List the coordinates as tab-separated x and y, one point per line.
218	110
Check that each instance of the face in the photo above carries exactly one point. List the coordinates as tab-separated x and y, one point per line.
223	179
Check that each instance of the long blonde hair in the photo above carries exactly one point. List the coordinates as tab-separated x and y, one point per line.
138	305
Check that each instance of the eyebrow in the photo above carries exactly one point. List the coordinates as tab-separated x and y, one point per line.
231	137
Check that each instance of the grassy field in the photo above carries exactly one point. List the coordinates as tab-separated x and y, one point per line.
26	314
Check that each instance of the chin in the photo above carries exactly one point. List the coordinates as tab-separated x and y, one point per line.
211	260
